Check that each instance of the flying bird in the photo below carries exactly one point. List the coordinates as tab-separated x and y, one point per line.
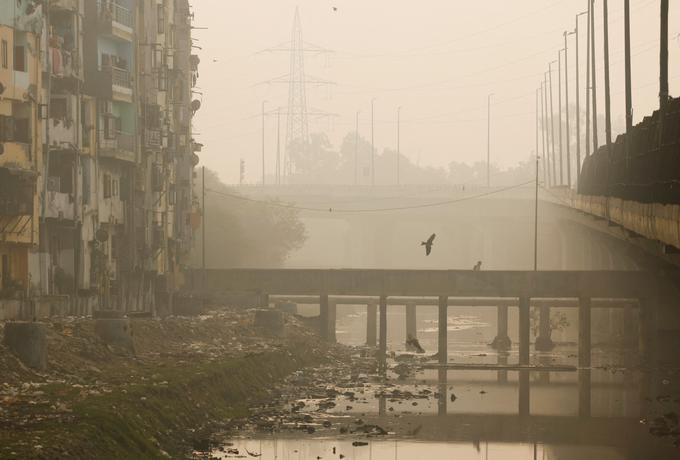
335	8
428	244
478	266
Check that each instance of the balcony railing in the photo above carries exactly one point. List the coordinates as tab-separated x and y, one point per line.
153	137
117	13
119	77
122	146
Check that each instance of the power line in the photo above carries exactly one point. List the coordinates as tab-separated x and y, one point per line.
358	211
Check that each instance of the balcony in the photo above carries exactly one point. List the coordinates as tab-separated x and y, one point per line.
59	205
116	19
120	147
152	139
121	83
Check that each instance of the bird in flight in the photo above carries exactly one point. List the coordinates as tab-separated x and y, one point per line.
428	244
478	266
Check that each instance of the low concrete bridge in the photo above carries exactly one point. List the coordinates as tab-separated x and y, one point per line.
508	288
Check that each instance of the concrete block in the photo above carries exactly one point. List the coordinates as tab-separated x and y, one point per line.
107	314
28	341
287	307
272	321
114	332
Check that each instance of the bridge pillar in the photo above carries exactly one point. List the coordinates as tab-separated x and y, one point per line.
411	329
332	320
442	344
371	324
383	333
544	340
502	340
442	400
584	330
648	331
629	338
323	316
524	393
584	405
502	375
524	328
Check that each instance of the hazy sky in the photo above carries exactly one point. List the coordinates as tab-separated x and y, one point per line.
439	59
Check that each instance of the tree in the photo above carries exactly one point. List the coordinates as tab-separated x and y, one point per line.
245	233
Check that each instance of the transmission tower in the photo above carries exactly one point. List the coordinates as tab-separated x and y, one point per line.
298	125
297	112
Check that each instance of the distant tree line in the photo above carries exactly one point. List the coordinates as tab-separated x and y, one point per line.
243	233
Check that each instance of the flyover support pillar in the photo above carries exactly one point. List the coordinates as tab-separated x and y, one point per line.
323	316
332	320
502	341
584	331
629	338
524	393
544	340
584	396
371	323
442	344
383	333
524	327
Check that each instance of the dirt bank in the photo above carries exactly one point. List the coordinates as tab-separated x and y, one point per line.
185	379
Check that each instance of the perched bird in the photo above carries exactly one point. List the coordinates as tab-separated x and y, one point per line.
413	344
428	244
478	266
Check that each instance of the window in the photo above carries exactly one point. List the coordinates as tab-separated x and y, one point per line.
85	166
59	108
5	54
107	186
162	79
22	130
161	18
6	128
114	187
20	58
110	127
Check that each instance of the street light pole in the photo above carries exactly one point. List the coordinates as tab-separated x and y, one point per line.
536	197
546	120
629	94
607	99
263	103
543	141
356	151
373	142
552	124
559	112
278	146
588	81
578	105
398	140
488	141
592	68
566	105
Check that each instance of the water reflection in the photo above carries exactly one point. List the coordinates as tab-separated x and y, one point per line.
505	412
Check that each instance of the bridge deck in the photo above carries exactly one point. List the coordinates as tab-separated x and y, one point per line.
453	283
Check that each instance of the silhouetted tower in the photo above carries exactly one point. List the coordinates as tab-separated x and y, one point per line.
297	112
298	125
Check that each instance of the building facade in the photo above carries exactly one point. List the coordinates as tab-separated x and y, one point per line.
96	169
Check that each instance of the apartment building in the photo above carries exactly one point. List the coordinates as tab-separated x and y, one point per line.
102	170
